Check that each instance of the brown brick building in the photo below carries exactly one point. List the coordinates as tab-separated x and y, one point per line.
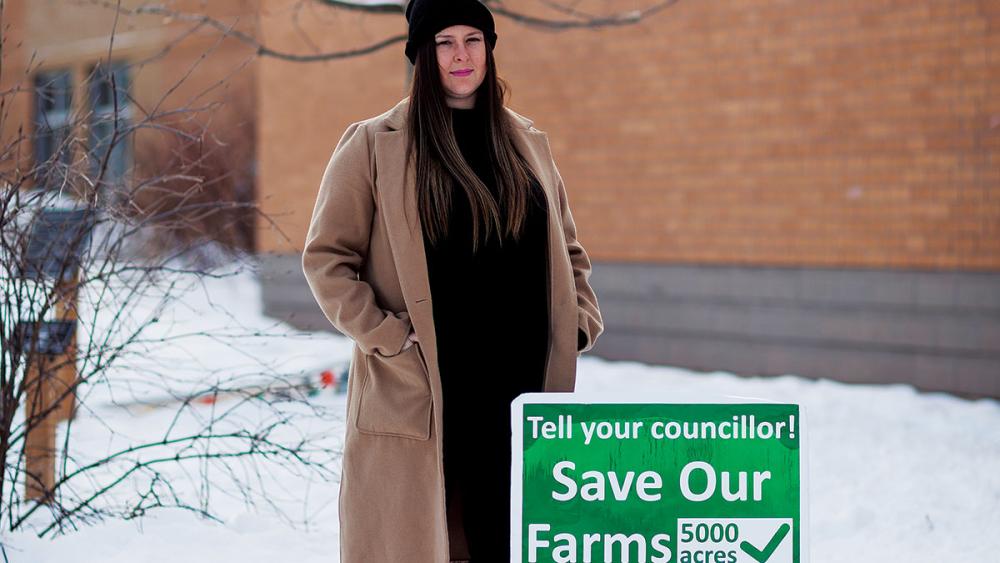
59	59
765	187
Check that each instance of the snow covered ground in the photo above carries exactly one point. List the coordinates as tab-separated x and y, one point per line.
895	475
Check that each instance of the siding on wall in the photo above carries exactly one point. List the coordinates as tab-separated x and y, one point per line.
937	331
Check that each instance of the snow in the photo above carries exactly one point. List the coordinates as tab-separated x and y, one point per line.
895	474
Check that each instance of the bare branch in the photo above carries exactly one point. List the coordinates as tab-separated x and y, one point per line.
369	7
630	17
582	20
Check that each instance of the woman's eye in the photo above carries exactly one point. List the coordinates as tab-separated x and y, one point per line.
449	42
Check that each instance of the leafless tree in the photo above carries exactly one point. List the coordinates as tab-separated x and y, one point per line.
82	292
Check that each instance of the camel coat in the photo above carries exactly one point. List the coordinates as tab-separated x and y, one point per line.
365	264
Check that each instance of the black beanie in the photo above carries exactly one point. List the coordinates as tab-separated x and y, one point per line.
427	17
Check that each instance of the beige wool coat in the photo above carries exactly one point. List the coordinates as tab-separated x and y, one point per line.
365	264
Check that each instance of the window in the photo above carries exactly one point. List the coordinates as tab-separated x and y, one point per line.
53	103
102	96
108	108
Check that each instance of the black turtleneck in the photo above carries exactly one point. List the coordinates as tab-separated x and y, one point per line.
492	302
492	326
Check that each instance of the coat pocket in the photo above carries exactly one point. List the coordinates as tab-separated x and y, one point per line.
396	396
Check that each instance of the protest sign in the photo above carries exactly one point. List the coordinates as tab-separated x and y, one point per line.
627	479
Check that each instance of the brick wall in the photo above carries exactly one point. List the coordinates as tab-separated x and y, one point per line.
839	134
303	108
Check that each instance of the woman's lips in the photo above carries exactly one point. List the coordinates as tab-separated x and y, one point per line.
462	72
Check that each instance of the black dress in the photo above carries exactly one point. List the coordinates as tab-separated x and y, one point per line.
492	327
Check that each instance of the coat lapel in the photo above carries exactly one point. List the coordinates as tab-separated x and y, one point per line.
397	199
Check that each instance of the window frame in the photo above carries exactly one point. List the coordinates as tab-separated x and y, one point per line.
84	82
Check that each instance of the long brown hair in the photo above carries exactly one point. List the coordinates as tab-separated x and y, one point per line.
441	168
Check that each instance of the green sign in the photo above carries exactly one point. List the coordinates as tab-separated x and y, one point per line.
602	479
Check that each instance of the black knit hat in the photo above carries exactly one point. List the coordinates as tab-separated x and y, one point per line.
427	17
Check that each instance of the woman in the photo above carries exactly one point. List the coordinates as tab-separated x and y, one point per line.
443	244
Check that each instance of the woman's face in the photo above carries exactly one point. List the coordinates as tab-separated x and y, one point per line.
461	58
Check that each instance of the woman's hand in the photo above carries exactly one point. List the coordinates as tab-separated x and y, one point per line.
410	339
